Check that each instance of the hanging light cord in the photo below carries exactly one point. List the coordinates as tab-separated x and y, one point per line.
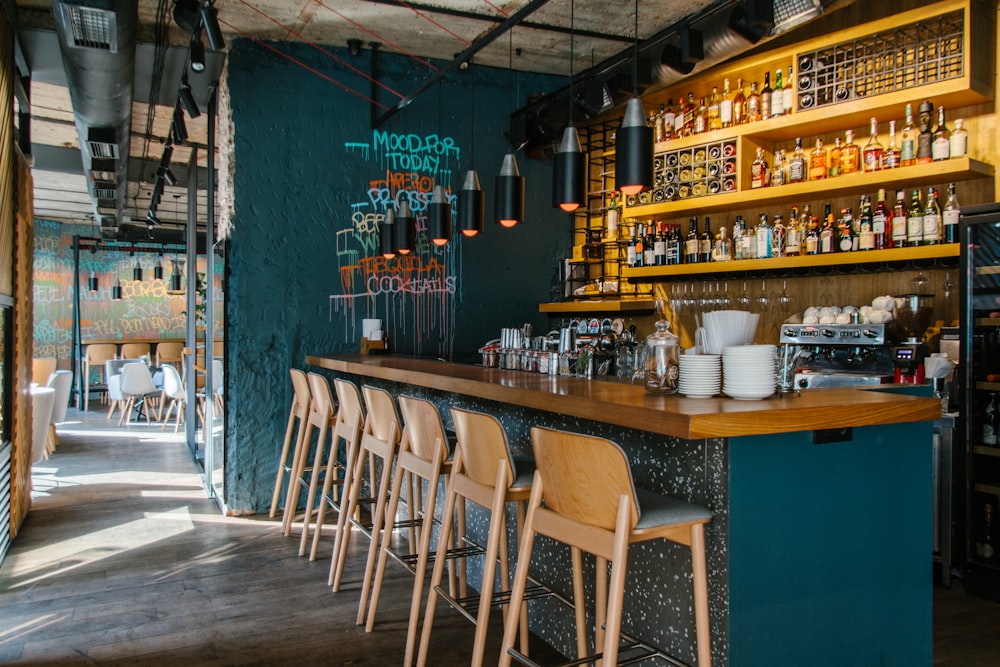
635	60
572	25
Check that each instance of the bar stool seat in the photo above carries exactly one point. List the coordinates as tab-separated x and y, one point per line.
591	504
485	473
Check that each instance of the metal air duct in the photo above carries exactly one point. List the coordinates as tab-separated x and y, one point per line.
97	39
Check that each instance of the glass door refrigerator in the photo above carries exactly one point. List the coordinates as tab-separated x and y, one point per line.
980	397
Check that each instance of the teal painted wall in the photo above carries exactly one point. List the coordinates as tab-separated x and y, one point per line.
312	182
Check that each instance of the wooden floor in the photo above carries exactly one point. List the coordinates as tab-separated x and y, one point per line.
124	561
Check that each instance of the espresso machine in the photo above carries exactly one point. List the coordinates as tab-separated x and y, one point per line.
912	316
837	355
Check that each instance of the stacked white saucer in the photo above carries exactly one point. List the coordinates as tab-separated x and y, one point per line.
700	375
749	371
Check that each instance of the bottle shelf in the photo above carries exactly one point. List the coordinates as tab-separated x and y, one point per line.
987	321
986	450
992	489
598	306
935	173
931	252
988	386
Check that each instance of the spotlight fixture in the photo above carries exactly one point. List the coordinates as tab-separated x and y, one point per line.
508	207
439	218
178	128
213	33
116	290
186	98
197	52
151	219
154	199
634	139
163	171
386	235
354	47
471	205
405	229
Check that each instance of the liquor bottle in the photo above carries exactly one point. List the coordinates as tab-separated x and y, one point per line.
845	231
705	242
764	241
726	105
826	234
631	252
760	176
833	159
660	245
908	142
818	162
932	218
925	139
990	433
805	222
872	155
779	235
959	139
812	238
739	242
714	110
850	155
778	96
866	225
899	221
949	216
701	117
674	253
880	223
649	247
941	146
722	252
779	173
679	119
739	104
659	134
753	104
984	544
690	111
793	234
788	93
750	242
693	243
613	217
915	221
669	120
797	163
640	255
765	97
891	157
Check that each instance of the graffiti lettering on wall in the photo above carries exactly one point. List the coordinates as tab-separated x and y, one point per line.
413	294
146	309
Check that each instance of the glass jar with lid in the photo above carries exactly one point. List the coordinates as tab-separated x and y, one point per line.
662	366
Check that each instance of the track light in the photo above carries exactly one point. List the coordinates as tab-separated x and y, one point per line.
387	235
154	199
178	127
405	229
164	169
439	218
197	52
186	98
508	206
471	205
210	21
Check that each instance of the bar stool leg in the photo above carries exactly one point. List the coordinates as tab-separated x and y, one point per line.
282	461
527	543
579	608
382	545
616	599
699	569
352	490
378	520
300	456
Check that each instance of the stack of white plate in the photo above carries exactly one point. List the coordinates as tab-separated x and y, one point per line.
700	375
749	371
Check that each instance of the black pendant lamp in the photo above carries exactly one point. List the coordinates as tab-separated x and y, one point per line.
176	280
386	235
116	290
93	283
634	139
569	185
508	207
158	269
136	269
439	218
405	229
471	205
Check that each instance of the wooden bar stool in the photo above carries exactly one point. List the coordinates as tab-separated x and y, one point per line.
591	504
297	415
321	417
483	472
347	427
423	452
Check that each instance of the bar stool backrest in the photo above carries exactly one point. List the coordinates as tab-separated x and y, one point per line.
302	397
349	399
134	350
583	476
482	442
424	432
42	369
98	353
169	352
383	420
322	400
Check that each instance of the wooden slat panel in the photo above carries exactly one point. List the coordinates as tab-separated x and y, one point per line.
24	252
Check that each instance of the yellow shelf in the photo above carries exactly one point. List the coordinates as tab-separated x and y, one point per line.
988	386
987	322
935	173
986	451
930	252
993	489
598	306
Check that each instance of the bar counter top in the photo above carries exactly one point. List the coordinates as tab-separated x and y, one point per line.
630	405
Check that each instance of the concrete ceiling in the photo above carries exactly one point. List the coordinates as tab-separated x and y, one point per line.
438	29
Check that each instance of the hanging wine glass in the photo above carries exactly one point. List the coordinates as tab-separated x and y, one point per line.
744	298
726	301
763	300
919	282
784	298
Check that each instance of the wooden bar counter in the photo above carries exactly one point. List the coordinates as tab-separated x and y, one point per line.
819	552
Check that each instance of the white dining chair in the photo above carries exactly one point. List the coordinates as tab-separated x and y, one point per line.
62	383
174	391
136	386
